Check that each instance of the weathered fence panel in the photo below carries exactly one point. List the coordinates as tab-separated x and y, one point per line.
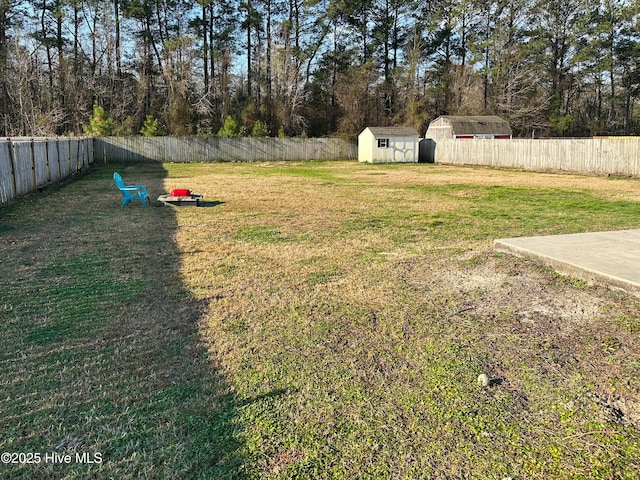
54	161
40	166
87	152
27	164
23	168
63	158
6	174
615	156
75	163
246	149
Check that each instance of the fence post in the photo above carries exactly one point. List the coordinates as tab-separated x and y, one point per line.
46	152
12	157
33	165
58	157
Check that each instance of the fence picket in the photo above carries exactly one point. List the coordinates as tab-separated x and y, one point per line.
23	167
7	191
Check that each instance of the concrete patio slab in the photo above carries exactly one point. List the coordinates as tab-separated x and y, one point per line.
611	258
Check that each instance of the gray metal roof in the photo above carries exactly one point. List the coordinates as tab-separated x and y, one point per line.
393	132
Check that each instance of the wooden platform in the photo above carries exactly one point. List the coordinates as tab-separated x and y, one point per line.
192	200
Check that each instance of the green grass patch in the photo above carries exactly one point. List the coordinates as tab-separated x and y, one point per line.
495	211
260	234
74	293
100	353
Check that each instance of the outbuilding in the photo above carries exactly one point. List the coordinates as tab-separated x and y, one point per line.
388	145
474	126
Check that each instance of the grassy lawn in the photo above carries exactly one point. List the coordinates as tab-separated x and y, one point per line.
316	320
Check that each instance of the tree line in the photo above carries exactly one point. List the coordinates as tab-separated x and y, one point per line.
317	67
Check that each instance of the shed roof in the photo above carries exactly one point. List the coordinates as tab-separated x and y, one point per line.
474	124
393	132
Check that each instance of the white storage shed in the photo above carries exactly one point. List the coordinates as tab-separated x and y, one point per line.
388	145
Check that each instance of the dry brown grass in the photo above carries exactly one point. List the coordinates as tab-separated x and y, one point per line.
346	311
338	285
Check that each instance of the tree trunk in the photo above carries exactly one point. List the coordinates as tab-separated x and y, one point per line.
249	25
116	14
205	48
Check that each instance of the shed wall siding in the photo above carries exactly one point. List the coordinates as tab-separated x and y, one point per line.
438	131
365	146
400	150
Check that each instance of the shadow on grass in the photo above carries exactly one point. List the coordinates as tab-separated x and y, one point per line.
104	374
201	204
209	204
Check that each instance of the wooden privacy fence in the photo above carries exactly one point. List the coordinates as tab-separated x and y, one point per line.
246	149
614	156
27	164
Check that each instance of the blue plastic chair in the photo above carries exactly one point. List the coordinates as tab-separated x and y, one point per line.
131	192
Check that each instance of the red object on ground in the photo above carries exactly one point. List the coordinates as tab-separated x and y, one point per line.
180	192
